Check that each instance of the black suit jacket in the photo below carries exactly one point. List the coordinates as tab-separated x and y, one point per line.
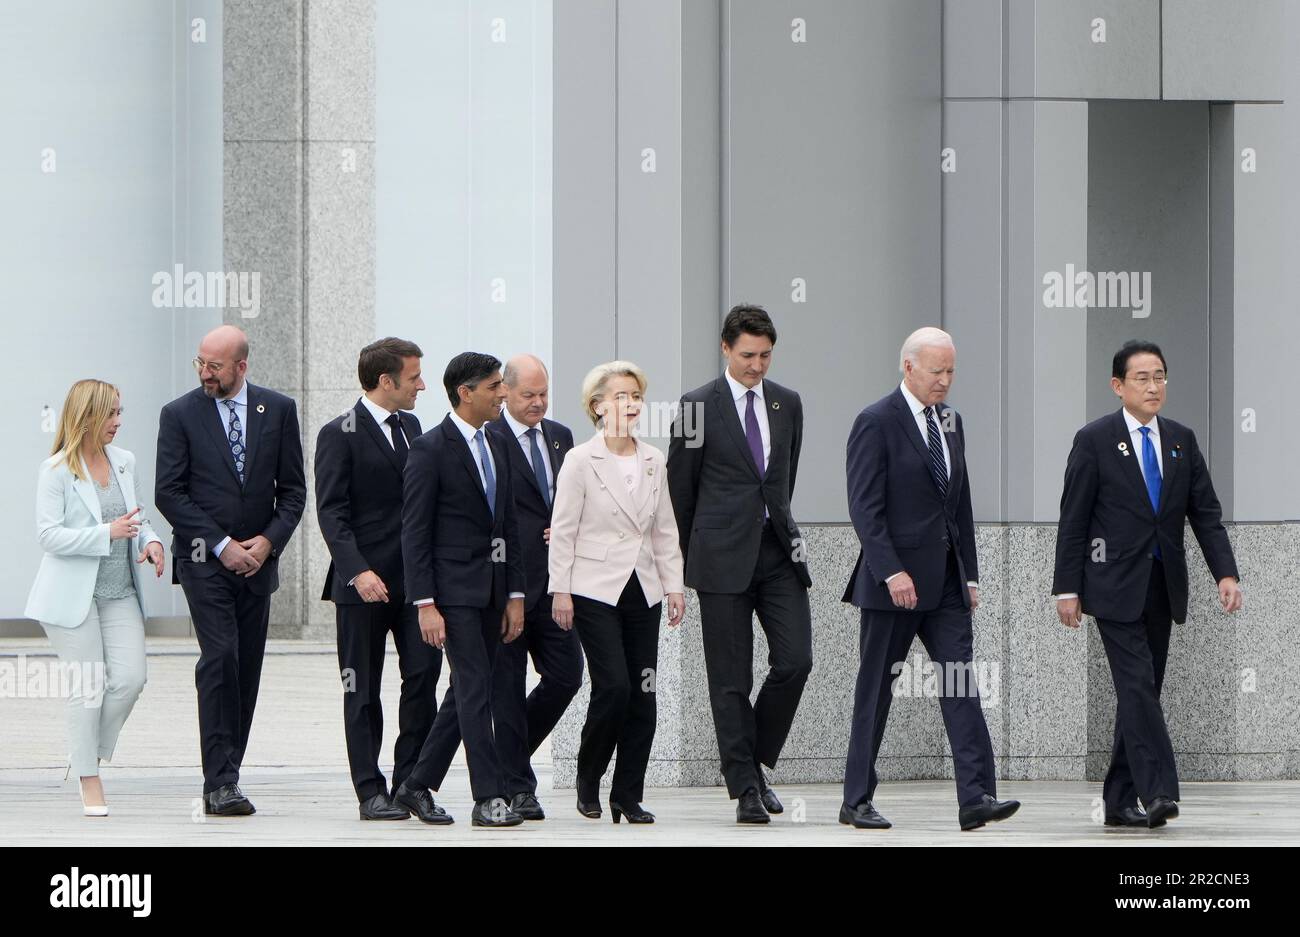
902	523
359	502
454	549
718	496
533	513
197	488
1108	529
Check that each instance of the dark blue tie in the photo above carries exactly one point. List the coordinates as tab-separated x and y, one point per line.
490	485
1151	469
938	468
539	469
235	434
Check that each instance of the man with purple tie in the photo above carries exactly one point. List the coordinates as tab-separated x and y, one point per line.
732	462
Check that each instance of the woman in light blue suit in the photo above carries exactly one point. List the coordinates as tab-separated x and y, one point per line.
88	592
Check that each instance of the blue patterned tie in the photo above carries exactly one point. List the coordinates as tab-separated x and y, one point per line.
236	436
938	468
1151	469
491	481
539	468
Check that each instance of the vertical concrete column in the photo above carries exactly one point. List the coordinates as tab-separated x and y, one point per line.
299	209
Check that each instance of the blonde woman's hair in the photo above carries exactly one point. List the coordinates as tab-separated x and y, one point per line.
593	385
88	406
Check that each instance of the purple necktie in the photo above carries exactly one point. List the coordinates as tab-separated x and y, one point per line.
752	433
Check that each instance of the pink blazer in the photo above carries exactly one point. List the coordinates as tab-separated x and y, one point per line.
600	533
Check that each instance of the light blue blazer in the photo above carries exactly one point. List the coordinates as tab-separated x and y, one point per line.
74	538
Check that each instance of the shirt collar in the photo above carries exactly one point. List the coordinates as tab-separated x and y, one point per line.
515	426
912	402
738	390
465	429
1134	424
240	399
379	413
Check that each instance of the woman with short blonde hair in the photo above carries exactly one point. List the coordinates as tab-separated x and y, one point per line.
88	591
614	558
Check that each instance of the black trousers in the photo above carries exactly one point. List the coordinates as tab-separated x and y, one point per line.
230	622
884	641
622	647
750	734
466	710
523	723
1142	755
362	634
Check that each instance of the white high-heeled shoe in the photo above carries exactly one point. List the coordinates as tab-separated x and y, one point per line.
91	810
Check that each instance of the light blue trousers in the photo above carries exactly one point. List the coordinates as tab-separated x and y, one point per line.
104	671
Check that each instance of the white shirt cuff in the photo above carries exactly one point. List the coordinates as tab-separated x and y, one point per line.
220	546
1067	595
516	595
420	602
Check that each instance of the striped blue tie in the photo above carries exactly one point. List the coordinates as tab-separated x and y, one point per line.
938	468
490	488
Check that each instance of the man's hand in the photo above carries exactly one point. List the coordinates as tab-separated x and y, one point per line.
974	597
1230	595
154	554
512	620
238	560
259	547
546	536
370	587
433	630
1068	611
562	610
676	608
902	591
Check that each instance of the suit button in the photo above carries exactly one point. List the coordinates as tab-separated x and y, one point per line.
615	511
621	535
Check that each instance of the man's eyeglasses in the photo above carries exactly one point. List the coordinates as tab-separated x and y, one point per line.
1143	379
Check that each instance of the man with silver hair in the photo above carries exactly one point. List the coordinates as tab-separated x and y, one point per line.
916	574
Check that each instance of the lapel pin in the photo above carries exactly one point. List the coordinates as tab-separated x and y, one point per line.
1123	447
121	470
650	470
1176	452
556	444
261	408
776	405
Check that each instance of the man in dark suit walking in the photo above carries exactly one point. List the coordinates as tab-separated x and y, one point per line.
1131	482
732	462
916	574
360	457
536	448
230	482
465	574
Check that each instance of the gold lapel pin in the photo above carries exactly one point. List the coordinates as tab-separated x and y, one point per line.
261	408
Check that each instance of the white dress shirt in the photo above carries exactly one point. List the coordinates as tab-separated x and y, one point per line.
918	414
738	392
1135	434
520	431
241	410
381	415
469	433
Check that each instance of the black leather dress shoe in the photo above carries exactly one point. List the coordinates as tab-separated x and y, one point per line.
227	801
494	813
771	803
419	801
1127	816
750	809
634	812
589	809
526	805
380	807
864	816
1160	810
987	810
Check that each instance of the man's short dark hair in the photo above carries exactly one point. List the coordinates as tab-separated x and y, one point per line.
385	356
753	320
1119	367
468	368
